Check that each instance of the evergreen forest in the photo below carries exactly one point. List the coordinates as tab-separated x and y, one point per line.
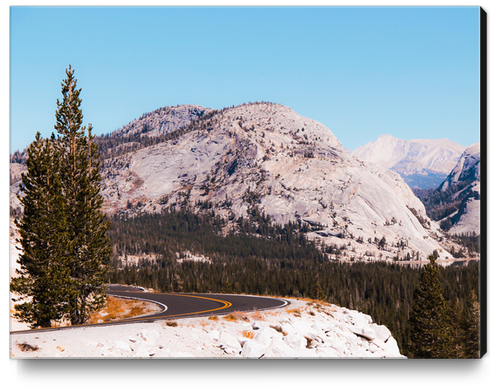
257	257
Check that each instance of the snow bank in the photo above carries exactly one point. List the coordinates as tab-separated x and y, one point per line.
301	330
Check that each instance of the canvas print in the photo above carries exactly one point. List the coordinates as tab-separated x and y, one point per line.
246	182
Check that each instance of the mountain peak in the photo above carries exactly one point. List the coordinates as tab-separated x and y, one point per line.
467	169
265	158
422	162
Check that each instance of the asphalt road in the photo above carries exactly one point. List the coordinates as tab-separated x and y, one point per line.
182	305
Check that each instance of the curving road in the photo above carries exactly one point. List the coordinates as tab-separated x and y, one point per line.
182	305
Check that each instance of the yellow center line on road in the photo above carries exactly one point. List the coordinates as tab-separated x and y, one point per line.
226	304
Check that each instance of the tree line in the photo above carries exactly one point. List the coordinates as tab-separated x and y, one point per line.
265	259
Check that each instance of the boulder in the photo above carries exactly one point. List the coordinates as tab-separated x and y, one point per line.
382	332
229	342
279	349
253	349
295	341
364	331
267	336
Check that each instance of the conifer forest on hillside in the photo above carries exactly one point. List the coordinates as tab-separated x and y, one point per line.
264	259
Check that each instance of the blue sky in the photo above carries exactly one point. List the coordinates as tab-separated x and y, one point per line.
362	71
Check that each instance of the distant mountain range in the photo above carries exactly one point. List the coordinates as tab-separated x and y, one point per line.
449	171
423	163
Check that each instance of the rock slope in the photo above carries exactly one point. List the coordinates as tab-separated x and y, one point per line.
265	156
464	181
301	330
423	163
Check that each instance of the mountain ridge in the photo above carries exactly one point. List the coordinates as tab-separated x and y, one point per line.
264	156
464	179
422	163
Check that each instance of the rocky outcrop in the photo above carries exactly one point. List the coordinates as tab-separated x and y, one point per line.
464	184
467	169
265	156
301	330
161	121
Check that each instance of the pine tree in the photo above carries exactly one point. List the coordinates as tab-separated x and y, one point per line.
319	293
472	324
65	247
430	330
43	273
85	235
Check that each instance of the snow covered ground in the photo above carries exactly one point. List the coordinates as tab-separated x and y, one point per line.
303	329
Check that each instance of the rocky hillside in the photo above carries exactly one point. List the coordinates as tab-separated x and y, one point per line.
463	183
467	170
149	129
423	163
265	158
455	204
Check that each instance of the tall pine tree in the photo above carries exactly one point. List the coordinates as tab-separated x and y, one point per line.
430	329
65	247
86	233
42	284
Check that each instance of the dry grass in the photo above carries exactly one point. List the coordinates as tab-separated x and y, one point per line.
213	317
271	313
171	323
256	315
203	323
118	308
296	312
313	301
236	316
248	334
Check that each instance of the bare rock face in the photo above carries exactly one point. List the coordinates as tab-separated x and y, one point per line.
464	181
423	163
466	169
266	157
